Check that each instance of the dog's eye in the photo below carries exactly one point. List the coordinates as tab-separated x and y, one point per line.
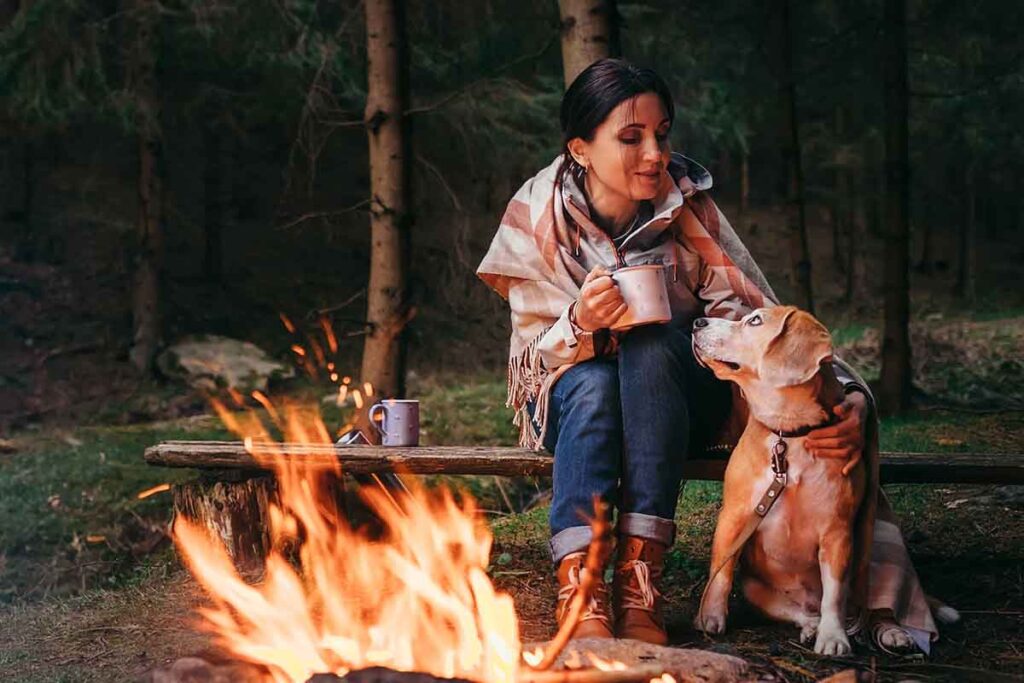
755	321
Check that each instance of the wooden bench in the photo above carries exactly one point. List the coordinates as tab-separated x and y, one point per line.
232	496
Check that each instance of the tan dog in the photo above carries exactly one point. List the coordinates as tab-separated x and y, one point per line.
798	564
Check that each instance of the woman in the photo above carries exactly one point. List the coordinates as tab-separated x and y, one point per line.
621	411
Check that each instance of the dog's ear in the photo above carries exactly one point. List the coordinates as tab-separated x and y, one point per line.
794	355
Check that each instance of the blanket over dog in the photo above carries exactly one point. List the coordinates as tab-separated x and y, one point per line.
531	264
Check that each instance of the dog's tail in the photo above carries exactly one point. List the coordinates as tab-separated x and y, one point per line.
943	613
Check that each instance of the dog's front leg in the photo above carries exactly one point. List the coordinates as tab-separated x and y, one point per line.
714	607
835	560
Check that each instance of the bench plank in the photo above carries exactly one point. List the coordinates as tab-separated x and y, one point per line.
917	468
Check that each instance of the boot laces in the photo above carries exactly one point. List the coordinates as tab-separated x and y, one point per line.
642	593
593	608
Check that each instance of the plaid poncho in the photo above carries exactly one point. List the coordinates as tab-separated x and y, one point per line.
532	263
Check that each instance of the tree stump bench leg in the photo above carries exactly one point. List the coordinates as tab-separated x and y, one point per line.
233	507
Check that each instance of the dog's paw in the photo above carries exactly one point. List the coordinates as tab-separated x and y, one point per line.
712	623
809	630
832	640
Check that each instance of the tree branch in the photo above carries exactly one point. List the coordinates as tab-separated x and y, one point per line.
472	84
322	214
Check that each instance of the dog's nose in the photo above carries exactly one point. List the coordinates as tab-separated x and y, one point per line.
700	322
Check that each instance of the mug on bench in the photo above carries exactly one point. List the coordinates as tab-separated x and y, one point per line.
398	421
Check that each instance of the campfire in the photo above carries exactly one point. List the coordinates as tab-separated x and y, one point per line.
416	599
413	596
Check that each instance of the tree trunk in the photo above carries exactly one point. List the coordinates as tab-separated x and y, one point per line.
894	394
233	508
589	33
839	208
24	248
387	306
857	293
925	265
966	273
796	221
149	239
214	203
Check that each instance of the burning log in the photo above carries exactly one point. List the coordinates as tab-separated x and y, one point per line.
199	670
641	674
587	657
380	674
634	662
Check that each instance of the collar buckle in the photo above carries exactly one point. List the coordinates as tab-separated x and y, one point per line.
779	464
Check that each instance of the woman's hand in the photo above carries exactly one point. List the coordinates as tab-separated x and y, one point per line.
600	303
844	439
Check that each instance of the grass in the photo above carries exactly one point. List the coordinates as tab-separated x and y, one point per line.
70	515
111	609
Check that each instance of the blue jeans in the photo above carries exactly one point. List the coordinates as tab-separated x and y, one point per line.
622	427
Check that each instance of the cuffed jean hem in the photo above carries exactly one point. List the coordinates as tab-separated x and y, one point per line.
652	528
570	540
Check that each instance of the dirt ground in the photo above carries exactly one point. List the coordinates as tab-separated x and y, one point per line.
969	555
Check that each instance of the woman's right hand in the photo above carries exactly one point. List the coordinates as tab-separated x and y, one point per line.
600	303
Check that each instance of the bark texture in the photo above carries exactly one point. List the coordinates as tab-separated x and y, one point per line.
146	314
966	273
796	222
589	33
233	511
387	304
894	385
1004	468
215	201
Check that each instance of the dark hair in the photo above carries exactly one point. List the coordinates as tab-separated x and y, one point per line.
593	94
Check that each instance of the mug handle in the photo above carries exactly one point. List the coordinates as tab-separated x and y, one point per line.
373	418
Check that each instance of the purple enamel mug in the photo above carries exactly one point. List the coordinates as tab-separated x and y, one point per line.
398	421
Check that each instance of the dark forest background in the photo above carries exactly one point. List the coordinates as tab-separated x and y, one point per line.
258	110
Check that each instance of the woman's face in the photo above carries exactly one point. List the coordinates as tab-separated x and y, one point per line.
630	149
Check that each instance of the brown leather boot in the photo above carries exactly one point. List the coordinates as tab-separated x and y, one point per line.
594	623
637	600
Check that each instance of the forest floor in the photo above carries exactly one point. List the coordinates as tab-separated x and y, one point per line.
91	589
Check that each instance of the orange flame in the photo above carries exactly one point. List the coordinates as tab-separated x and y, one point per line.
332	340
416	599
286	321
159	488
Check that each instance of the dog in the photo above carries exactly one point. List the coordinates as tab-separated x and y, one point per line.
799	562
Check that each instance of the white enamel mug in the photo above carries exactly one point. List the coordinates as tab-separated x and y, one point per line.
646	295
398	421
